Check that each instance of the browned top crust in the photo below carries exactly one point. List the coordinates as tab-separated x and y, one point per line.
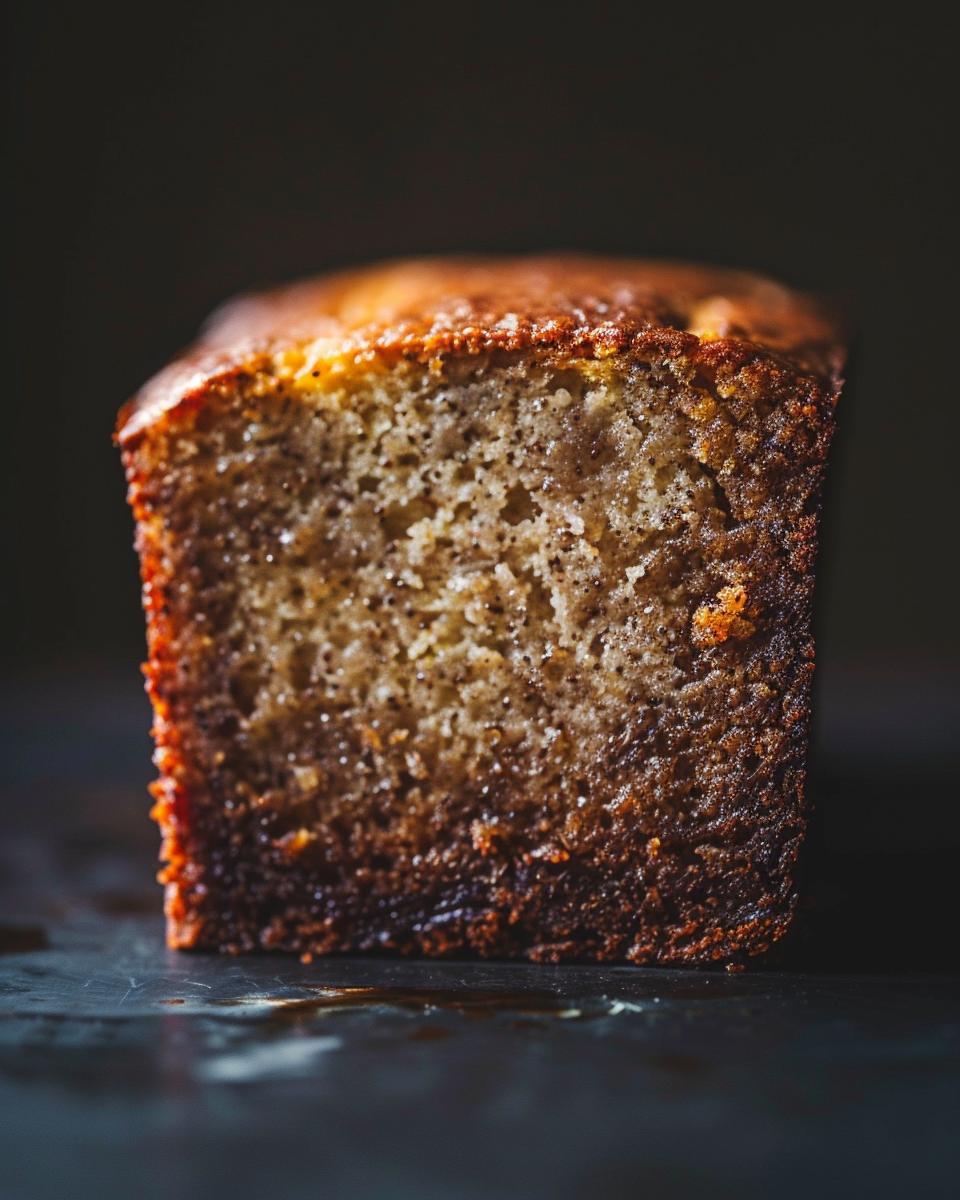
423	310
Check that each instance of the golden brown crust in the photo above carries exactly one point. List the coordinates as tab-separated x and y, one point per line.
590	307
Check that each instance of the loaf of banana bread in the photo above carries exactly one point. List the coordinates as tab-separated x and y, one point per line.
478	597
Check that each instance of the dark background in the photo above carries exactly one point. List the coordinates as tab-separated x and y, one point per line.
163	157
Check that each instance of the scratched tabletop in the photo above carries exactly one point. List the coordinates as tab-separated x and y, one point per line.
127	1070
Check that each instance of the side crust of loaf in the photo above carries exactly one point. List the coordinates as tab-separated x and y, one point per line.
670	832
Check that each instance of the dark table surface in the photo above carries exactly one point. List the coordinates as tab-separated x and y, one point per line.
128	1070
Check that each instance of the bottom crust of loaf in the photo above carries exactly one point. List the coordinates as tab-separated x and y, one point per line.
685	920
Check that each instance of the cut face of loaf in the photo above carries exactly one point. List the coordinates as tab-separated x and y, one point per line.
495	648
